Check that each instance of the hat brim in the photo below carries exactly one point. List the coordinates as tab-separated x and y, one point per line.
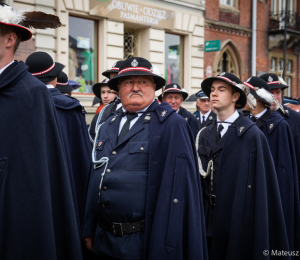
26	34
273	86
52	74
184	94
158	80
107	73
206	87
97	89
64	88
253	92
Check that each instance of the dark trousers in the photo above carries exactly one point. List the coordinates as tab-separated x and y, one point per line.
209	240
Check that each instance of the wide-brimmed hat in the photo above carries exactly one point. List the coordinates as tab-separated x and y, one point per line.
24	19
41	65
201	95
259	89
136	67
74	84
231	80
173	88
62	83
274	81
9	16
97	88
114	69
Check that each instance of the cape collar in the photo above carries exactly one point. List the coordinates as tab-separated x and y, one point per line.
273	121
163	111
12	72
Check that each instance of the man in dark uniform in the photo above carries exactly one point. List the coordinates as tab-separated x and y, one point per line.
140	205
243	210
291	117
71	116
37	213
204	114
174	96
282	149
111	108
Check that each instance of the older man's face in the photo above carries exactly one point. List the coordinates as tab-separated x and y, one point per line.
136	92
173	99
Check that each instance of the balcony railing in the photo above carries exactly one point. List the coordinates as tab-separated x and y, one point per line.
277	21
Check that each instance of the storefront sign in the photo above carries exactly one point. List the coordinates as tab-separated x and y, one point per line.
212	45
24	50
134	12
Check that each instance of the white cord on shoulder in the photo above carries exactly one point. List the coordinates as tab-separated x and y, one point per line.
210	163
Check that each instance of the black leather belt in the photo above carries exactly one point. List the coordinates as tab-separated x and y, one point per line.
119	229
210	198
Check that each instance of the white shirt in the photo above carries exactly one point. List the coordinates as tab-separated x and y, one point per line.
119	105
133	121
49	86
205	116
6	67
230	119
260	114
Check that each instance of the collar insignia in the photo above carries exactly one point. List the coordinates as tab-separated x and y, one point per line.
271	126
241	128
134	63
210	118
186	119
163	113
286	111
270	79
100	143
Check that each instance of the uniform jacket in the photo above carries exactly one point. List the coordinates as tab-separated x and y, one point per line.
71	117
172	230
281	145
210	119
248	215
37	213
192	121
110	108
293	119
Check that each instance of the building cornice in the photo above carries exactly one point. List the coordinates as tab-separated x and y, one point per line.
190	5
222	26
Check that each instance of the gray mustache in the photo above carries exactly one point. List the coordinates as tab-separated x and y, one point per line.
139	92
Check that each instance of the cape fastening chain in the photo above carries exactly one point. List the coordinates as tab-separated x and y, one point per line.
103	160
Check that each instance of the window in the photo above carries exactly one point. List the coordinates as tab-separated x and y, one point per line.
227	2
287	91
83	53
174	59
280	65
289	66
130	43
273	64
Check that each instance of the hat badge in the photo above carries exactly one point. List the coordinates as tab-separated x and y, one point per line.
249	79
134	63
222	74
174	86
114	65
270	79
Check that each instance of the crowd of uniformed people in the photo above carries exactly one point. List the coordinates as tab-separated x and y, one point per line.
147	179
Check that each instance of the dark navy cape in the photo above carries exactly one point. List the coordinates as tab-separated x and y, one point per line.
172	230
71	117
37	213
281	145
192	121
247	221
293	119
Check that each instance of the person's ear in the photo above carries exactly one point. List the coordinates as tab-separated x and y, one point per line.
11	39
236	96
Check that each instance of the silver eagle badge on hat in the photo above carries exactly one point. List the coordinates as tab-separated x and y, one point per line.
134	63
270	79
174	86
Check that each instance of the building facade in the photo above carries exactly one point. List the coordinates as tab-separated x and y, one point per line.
97	33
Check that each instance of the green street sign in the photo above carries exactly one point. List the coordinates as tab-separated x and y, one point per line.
212	45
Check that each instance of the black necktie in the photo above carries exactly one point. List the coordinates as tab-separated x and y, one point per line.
220	128
253	119
125	127
203	120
